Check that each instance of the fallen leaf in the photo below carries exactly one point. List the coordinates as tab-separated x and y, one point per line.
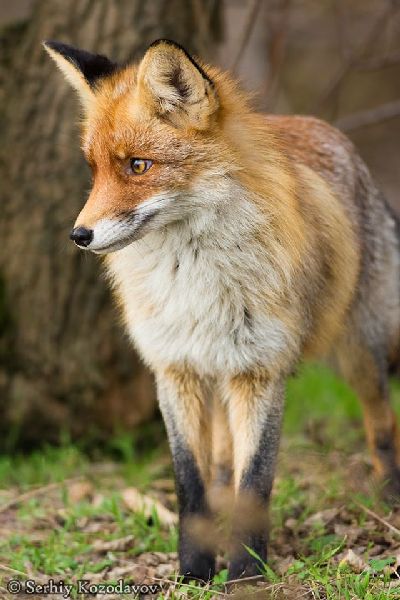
95	577
98	500
323	517
283	564
125	572
355	561
138	502
291	523
95	526
118	545
165	570
350	532
152	559
79	490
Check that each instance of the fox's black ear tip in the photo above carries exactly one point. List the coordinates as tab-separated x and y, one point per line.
49	44
59	47
167	42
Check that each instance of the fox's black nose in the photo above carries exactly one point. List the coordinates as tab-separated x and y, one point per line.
81	236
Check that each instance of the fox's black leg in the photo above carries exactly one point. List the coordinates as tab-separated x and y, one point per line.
256	406
196	559
185	412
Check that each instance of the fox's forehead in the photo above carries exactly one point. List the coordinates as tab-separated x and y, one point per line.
118	125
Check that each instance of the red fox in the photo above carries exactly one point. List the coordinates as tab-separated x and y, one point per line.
238	245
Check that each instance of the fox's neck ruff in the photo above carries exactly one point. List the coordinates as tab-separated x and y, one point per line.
204	290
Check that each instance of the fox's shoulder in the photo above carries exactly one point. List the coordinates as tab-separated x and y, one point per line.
316	144
311	141
303	132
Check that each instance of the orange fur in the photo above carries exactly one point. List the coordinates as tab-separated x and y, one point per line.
304	264
113	132
194	411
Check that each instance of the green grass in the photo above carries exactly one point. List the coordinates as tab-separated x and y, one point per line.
66	550
316	394
47	533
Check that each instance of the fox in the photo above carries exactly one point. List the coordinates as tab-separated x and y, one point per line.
238	245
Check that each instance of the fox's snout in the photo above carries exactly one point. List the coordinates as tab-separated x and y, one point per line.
81	236
114	232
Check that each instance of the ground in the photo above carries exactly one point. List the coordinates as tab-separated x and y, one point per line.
72	513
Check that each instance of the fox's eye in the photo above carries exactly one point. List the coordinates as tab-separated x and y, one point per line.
140	165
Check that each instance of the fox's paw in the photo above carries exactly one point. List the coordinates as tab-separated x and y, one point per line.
245	564
199	566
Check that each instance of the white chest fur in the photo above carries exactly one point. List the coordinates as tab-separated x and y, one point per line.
197	292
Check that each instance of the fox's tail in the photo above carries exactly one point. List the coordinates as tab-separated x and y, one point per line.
394	367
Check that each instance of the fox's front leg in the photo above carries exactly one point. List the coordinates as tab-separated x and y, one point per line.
255	412
185	410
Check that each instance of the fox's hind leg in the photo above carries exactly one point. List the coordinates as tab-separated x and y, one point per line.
365	369
221	445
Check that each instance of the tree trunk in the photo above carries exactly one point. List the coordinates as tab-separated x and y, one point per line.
64	361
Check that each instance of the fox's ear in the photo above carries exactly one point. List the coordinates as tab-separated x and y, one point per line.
175	86
82	69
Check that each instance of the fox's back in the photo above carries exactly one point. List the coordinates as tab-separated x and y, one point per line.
328	152
316	144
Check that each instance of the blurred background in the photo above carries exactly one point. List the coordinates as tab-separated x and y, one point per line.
65	363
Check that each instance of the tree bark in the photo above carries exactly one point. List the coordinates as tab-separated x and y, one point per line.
65	363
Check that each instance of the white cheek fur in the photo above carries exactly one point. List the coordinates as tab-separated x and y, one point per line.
107	233
111	234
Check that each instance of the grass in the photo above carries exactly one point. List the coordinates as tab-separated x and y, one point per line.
63	514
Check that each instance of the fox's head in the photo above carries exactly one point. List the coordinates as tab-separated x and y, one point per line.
152	135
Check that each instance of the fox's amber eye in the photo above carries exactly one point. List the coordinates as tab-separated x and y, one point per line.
140	165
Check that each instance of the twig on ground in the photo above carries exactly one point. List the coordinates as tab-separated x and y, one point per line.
244	579
186	585
36	492
373	514
10	570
